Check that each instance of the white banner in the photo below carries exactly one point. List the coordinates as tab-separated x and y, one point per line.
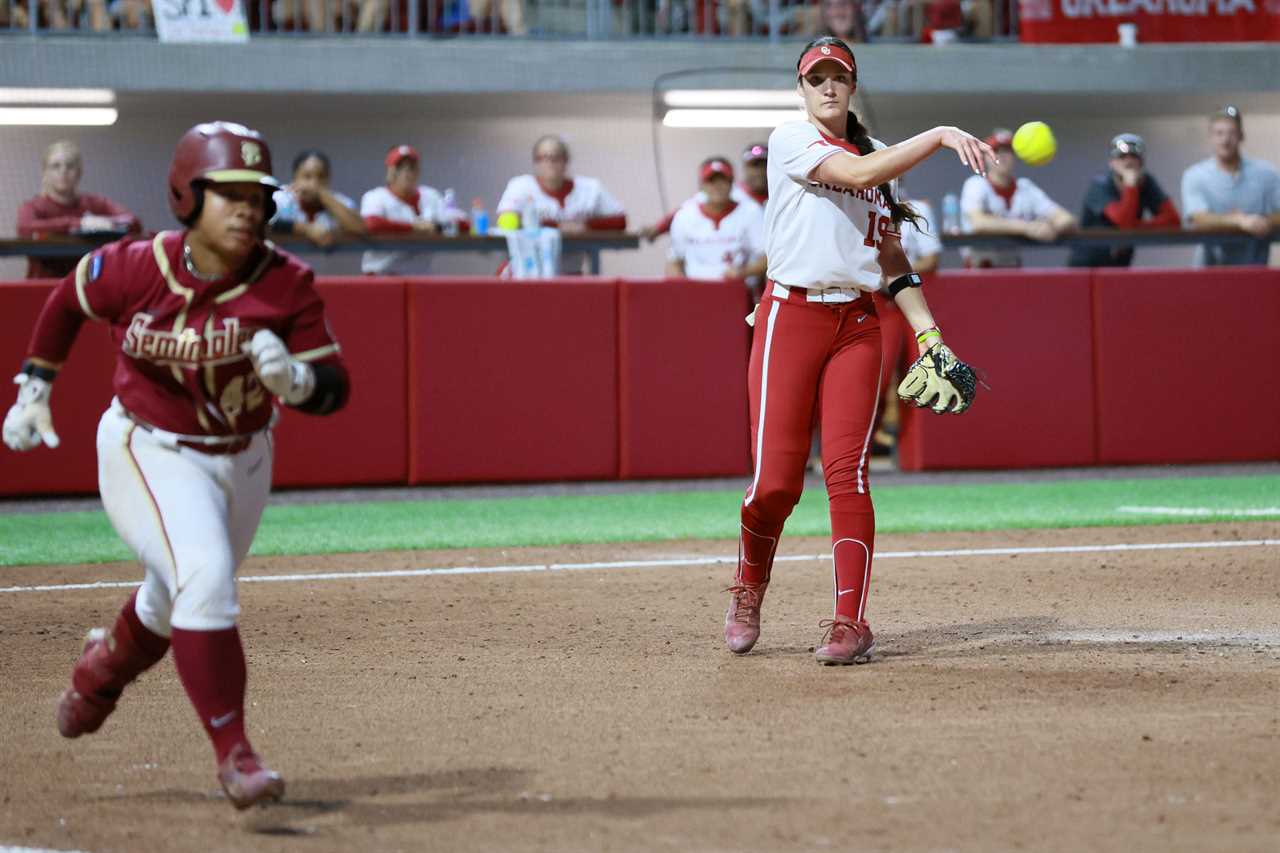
200	20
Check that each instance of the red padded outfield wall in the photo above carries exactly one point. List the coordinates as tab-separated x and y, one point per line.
683	379
367	442
481	380
1030	335
1186	365
513	381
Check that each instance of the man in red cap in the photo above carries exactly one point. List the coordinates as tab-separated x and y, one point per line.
1000	203
752	189
717	238
403	206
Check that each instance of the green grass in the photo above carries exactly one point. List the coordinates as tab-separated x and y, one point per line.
87	537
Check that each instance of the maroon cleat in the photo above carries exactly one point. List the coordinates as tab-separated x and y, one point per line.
246	781
82	711
742	620
845	642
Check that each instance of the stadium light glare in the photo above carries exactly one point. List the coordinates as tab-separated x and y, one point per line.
59	116
79	97
729	98
730	118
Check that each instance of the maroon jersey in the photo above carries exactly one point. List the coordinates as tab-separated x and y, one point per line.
180	365
41	216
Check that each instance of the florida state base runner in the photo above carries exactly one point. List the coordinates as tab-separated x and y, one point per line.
212	325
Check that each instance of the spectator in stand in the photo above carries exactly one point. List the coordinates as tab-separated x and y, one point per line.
1125	197
572	204
717	239
62	209
752	189
1000	203
403	206
308	208
844	19
132	14
944	21
509	12
12	15
1231	191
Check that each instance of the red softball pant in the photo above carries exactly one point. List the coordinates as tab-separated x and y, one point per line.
812	360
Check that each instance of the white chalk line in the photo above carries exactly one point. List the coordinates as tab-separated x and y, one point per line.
677	561
4	849
1202	511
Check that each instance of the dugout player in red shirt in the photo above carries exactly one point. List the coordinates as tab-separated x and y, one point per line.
213	325
832	237
62	209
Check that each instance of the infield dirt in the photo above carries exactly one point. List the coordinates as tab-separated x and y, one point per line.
1085	701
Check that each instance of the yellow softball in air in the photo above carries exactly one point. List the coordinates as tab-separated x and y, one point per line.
1034	143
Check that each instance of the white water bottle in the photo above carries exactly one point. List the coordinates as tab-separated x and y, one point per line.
451	213
950	214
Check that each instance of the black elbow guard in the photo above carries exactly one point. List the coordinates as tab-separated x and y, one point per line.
331	391
911	279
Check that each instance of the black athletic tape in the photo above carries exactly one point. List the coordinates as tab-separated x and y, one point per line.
45	373
330	393
902	282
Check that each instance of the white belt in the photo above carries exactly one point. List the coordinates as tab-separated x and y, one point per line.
174	439
828	295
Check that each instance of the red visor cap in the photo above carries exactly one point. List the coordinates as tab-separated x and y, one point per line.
1000	138
827	51
715	167
401	153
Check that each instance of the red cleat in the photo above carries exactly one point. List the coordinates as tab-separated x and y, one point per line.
845	642
81	710
246	781
742	620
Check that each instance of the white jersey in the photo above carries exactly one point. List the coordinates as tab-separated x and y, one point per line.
921	241
817	235
710	245
383	203
1027	202
579	200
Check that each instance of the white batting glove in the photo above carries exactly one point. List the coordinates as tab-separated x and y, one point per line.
30	422
281	374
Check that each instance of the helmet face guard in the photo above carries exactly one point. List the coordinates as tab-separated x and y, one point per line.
217	152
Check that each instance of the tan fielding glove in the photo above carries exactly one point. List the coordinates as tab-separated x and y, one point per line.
939	380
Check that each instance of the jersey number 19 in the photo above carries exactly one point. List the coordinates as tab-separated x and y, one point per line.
877	229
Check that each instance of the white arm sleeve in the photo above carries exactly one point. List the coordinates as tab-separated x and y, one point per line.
511	197
606	204
1042	206
798	148
371	204
973	199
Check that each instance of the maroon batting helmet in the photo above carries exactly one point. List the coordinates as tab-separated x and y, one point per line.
217	152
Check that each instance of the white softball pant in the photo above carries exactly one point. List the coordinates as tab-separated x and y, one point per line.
189	516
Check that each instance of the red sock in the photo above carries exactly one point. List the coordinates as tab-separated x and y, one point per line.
131	649
853	535
757	543
211	666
